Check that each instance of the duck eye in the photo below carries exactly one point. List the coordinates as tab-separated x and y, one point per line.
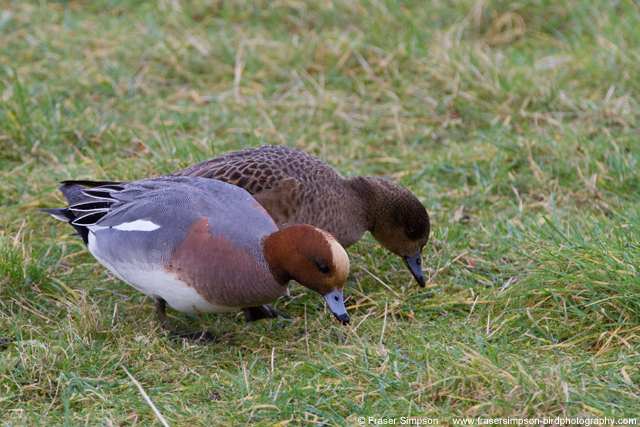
412	233
322	267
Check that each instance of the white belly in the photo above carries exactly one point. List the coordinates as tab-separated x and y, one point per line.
179	296
160	284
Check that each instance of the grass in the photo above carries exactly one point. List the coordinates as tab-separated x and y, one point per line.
515	123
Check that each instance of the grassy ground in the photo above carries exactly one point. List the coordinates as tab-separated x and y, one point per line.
515	123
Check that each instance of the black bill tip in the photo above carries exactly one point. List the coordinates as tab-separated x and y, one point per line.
344	318
415	266
335	302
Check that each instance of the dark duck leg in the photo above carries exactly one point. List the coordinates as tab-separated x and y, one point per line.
251	314
191	335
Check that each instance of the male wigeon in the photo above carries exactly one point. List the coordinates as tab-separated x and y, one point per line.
297	188
201	246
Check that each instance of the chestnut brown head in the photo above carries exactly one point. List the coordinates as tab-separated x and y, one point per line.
313	258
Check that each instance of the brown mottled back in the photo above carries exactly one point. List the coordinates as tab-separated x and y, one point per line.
297	188
293	186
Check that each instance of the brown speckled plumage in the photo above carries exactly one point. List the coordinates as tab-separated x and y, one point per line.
295	188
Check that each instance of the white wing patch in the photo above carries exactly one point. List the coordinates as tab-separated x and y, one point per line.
137	225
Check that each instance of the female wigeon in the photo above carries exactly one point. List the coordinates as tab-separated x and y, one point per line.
200	245
297	188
